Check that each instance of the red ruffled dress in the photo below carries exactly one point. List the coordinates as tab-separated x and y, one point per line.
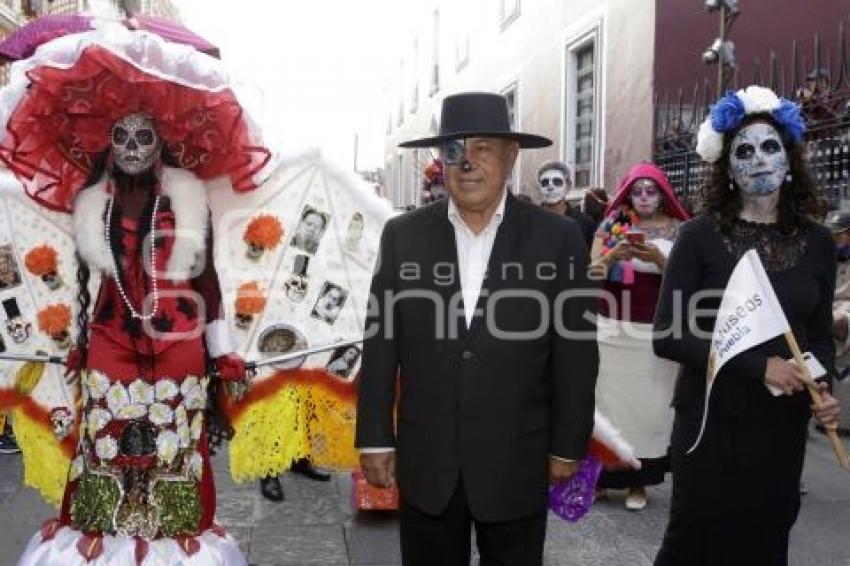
141	475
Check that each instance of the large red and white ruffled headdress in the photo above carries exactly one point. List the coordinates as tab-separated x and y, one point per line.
61	103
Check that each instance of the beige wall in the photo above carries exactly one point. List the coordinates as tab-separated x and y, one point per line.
530	51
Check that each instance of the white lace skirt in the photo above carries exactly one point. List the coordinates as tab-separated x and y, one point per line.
62	550
635	387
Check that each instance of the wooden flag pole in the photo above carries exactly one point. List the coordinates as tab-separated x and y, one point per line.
837	445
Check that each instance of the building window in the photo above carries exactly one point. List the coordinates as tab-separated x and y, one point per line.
435	53
510	94
508	12
414	97
583	112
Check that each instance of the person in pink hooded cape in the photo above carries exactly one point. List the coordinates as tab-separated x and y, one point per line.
630	251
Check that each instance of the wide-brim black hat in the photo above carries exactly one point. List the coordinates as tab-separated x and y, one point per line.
477	115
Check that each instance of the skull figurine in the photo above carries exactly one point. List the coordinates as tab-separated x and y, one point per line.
135	144
62	420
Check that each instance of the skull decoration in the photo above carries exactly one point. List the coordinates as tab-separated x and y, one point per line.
135	144
296	286
62	420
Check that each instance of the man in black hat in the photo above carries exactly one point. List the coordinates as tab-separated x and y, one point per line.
482	307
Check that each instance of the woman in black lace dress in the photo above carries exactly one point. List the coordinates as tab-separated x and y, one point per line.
736	497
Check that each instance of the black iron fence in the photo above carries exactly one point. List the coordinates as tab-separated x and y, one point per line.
821	86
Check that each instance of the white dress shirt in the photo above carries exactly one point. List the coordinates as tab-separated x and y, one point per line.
473	254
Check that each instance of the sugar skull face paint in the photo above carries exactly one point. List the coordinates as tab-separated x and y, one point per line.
646	197
553	185
135	144
758	161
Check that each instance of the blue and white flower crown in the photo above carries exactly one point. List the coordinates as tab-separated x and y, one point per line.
731	110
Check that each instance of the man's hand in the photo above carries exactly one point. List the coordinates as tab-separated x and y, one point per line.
561	470
828	413
379	468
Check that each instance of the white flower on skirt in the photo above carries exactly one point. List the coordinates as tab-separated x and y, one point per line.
196	465
97	419
106	448
167	445
180	417
196	398
134	411
166	389
184	435
76	469
160	414
117	398
141	392
188	384
197	425
97	384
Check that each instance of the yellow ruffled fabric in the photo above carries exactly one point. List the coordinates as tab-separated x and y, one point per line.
269	435
330	428
297	421
45	464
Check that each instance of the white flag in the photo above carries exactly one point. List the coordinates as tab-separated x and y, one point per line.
749	315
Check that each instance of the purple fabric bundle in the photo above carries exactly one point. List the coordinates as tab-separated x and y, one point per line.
572	499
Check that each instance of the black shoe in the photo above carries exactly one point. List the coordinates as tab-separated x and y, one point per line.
305	468
271	489
8	444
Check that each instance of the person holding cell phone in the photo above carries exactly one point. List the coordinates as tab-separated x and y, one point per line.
634	387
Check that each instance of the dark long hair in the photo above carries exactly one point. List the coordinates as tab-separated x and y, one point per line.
799	200
122	181
218	427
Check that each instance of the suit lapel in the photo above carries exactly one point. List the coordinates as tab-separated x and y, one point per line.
443	263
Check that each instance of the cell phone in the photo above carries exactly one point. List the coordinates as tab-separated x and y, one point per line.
635	237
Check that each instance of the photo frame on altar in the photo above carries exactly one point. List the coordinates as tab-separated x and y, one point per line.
10	273
329	303
310	229
343	361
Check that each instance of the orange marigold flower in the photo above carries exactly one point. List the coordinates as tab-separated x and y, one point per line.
264	231
54	319
250	298
41	260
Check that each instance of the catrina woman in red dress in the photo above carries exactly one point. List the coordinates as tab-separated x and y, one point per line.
122	135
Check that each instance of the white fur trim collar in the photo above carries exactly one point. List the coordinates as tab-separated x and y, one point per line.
188	197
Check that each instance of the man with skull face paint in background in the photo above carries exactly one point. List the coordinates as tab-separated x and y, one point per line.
737	495
553	180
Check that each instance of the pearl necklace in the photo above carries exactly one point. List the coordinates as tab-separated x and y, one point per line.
133	312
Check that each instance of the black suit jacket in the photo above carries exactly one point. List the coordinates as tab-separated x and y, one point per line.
483	404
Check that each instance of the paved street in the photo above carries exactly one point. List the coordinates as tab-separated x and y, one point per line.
315	525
